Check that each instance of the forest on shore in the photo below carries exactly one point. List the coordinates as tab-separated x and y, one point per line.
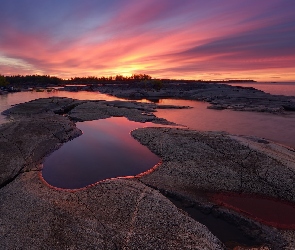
45	80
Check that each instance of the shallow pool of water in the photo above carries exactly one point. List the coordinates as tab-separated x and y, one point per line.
272	212
105	150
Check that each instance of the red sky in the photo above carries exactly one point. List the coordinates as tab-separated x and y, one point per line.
188	39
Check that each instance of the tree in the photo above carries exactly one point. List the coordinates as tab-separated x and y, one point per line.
119	78
141	77
157	84
3	81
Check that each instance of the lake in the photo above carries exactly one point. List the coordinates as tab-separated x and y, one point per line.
278	128
280	88
106	148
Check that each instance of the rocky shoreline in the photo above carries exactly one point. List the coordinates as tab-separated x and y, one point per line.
140	212
219	96
199	164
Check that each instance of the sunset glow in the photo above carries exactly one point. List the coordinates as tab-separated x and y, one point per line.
186	39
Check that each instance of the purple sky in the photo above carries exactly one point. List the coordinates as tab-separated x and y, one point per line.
187	39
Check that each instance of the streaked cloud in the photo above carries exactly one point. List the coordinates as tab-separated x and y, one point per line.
168	38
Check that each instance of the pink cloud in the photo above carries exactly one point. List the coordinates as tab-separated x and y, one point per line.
181	39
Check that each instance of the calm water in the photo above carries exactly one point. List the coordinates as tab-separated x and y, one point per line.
105	150
274	127
277	128
278	213
282	88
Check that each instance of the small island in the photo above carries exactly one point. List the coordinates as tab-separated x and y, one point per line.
218	94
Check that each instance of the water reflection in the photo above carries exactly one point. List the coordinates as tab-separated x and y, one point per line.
281	88
276	213
278	128
274	127
105	150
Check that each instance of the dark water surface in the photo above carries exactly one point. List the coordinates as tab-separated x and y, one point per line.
278	128
279	88
272	212
105	150
230	234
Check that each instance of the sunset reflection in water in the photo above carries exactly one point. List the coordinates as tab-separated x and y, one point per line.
105	150
270	211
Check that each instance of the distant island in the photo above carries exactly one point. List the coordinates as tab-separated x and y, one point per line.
47	80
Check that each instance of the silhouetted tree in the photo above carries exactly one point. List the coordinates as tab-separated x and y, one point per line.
157	84
120	78
3	81
141	77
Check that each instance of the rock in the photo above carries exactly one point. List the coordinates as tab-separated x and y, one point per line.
172	107
114	214
217	107
25	142
99	110
221	96
59	105
212	161
130	213
196	164
289	107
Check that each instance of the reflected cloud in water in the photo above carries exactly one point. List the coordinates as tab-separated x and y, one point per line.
105	150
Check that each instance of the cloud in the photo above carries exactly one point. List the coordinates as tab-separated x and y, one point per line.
161	37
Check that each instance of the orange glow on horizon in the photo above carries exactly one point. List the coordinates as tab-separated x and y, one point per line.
164	39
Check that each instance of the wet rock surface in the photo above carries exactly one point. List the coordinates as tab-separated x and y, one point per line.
25	142
197	164
104	109
53	105
134	213
214	161
37	128
220	96
115	214
79	110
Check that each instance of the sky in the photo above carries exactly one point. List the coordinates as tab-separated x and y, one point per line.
176	39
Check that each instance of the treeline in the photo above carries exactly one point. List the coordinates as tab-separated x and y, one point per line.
42	80
233	81
33	80
117	78
53	80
